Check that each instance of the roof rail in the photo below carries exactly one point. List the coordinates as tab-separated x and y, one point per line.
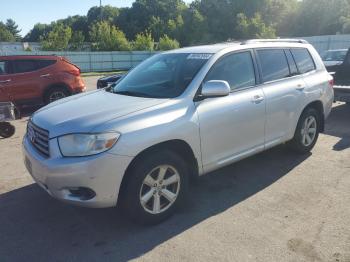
252	41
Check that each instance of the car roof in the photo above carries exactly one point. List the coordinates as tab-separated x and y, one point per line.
232	46
34	57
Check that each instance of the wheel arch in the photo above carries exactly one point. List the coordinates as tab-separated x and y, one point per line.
57	85
318	106
180	147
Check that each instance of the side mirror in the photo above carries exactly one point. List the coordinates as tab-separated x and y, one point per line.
215	88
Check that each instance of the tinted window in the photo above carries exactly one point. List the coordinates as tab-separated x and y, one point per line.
236	69
22	66
3	67
161	76
303	59
274	64
292	66
45	63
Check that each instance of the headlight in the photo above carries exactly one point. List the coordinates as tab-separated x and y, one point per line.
86	144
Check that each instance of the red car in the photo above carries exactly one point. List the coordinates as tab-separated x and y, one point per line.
29	80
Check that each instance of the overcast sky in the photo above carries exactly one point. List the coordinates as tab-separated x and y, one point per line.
27	13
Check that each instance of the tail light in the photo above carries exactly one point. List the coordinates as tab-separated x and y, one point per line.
75	71
331	83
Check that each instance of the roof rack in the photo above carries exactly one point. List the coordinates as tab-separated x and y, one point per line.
300	41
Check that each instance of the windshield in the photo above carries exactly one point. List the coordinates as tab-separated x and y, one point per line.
161	76
335	55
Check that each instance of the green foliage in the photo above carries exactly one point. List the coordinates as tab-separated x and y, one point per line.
77	41
166	43
109	14
253	27
201	22
143	42
28	49
106	37
321	17
57	39
5	34
12	27
37	33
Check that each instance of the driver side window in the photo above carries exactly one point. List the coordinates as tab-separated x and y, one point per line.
237	69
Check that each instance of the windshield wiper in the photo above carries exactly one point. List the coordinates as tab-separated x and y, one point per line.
132	93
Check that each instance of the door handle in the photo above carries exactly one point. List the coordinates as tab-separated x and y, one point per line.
300	87
46	75
257	99
5	81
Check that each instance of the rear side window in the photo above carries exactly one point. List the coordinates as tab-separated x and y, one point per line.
237	69
274	64
303	59
45	63
292	66
23	66
3	67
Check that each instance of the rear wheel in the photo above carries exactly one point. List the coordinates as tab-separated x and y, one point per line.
7	130
307	131
156	186
54	94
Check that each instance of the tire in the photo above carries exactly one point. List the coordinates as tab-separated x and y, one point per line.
54	94
7	130
304	144
137	187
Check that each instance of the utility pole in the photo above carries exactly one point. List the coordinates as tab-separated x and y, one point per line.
101	10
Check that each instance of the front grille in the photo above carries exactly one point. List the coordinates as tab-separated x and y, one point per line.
39	138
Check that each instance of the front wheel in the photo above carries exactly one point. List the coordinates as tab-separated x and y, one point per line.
307	131
156	186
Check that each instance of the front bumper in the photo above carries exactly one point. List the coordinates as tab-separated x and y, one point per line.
58	176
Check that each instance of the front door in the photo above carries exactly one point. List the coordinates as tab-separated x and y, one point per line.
232	127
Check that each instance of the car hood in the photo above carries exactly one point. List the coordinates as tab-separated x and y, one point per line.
82	113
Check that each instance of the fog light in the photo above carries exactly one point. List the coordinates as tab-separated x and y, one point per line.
82	193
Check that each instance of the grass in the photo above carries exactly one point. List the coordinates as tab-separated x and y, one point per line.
101	73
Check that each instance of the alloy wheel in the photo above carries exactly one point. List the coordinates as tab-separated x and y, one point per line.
160	189
309	130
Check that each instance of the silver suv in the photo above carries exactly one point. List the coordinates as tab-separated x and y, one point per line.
177	115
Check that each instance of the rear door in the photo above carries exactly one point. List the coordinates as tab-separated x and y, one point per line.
283	88
5	81
27	82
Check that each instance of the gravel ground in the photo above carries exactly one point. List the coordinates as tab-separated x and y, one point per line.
276	206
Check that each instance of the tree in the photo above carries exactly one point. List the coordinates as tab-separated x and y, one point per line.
109	14
106	37
5	35
57	39
321	17
12	27
77	41
253	27
166	43
143	42
37	33
153	16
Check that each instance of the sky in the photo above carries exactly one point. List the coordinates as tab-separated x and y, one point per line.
27	13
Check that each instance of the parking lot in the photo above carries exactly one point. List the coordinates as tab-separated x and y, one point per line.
276	206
